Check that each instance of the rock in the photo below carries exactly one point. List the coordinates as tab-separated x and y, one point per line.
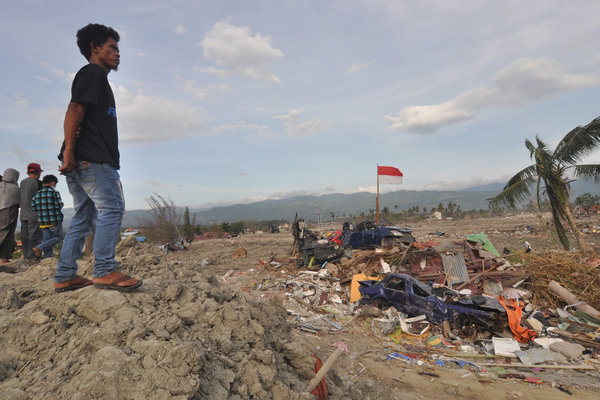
535	324
39	317
14	394
189	313
299	357
172	292
567	349
99	305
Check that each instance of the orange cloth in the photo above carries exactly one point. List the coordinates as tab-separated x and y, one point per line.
354	292
513	310
321	390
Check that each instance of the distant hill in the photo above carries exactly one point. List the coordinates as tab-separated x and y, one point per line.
310	207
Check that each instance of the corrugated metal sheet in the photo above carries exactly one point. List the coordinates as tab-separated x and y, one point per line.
455	268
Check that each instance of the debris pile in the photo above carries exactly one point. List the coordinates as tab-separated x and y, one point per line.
457	297
183	335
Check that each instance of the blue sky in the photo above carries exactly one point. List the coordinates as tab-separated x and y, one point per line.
221	102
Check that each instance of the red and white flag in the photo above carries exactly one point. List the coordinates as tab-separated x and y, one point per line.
390	175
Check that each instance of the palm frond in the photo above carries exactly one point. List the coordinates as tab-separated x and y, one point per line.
558	196
588	171
579	142
531	147
517	189
523	174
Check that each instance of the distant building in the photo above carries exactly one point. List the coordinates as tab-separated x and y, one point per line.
436	215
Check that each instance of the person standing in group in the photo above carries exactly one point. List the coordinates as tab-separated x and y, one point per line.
48	204
9	213
31	234
90	163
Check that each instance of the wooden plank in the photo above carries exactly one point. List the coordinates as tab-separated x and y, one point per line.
544	366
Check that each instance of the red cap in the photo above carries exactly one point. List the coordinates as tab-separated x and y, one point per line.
34	167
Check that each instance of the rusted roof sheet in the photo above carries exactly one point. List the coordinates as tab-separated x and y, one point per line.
455	268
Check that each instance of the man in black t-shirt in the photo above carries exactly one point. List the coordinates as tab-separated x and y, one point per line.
90	162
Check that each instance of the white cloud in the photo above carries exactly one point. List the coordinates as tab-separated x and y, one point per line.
291	193
362	189
180	29
191	87
328	188
211	71
522	81
16	101
57	72
357	67
239	52
295	126
144	118
458	184
53	69
41	78
242	126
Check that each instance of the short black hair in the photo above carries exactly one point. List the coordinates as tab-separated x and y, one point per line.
94	33
49	179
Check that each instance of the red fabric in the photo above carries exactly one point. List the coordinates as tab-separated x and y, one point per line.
393	171
335	237
513	310
321	390
424	245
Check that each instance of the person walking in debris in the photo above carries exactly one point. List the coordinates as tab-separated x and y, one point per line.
48	204
9	213
90	162
31	235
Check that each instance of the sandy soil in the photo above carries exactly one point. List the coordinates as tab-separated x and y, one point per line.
207	325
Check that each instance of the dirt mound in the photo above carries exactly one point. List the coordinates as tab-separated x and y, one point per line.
182	336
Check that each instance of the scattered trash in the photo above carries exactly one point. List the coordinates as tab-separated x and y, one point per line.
505	346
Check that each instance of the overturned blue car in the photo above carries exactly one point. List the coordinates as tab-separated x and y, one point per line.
414	298
368	235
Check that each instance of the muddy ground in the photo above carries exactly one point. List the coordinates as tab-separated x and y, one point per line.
206	325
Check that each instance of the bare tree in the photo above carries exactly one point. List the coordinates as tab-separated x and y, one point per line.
164	218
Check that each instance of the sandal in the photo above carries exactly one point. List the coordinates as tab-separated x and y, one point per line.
117	281
76	283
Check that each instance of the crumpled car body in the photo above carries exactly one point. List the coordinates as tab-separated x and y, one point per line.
374	236
414	298
312	247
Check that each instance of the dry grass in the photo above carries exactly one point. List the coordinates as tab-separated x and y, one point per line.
579	275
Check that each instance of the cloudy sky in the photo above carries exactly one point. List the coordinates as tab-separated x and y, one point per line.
234	101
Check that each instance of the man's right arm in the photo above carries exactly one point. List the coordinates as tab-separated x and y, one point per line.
73	119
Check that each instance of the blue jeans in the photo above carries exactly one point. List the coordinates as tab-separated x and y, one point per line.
97	199
51	236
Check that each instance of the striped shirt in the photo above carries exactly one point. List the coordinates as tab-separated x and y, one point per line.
47	203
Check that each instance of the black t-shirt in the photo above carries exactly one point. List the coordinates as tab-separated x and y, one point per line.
98	141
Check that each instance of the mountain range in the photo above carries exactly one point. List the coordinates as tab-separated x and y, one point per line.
315	207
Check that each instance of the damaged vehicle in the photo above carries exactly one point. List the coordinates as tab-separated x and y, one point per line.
312	247
368	235
414	298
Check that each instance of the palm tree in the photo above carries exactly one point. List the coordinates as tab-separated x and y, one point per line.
551	167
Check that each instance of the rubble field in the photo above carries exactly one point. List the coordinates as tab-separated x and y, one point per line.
215	322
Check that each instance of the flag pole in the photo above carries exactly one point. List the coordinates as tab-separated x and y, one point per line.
377	201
